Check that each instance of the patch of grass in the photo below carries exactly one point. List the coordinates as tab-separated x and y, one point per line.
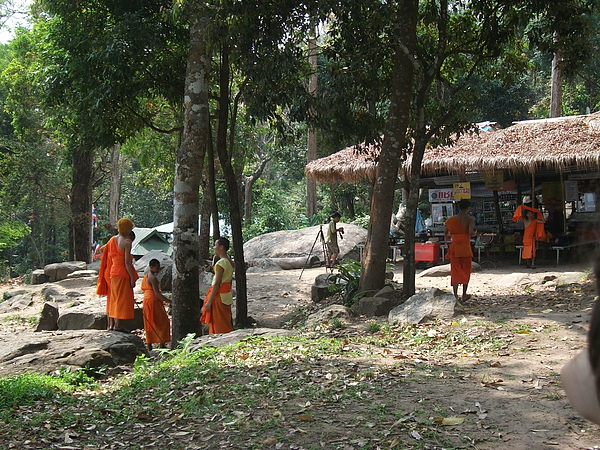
337	324
374	327
25	389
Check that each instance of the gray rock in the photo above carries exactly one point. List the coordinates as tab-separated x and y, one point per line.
78	318
221	340
51	292
263	265
83	274
299	243
375	306
47	352
38	276
320	290
423	307
16	303
15	293
340	312
48	318
59	271
390	293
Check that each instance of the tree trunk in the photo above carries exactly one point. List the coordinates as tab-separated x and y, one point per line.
115	189
205	213
377	246
81	205
188	169
248	185
311	153
231	182
212	192
410	218
556	86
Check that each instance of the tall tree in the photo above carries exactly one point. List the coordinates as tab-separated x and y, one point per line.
188	169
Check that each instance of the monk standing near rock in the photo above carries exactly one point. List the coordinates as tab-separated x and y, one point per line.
117	276
216	309
460	228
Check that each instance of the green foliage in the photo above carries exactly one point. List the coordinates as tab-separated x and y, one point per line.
272	211
346	281
27	388
362	221
11	231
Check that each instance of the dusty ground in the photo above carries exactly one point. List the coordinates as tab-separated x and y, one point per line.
510	397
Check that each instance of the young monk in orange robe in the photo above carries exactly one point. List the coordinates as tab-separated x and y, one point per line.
156	320
460	228
533	221
216	309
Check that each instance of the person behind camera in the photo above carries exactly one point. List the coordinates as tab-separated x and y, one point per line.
333	249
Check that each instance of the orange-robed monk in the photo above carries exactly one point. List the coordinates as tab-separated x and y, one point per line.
103	284
117	276
460	228
156	320
533	222
216	309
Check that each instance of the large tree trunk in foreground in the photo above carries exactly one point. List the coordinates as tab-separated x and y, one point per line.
81	205
372	276
188	170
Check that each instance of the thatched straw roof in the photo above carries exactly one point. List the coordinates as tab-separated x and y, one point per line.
525	147
349	165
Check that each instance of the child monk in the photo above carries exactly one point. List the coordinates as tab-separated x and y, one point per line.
156	320
216	309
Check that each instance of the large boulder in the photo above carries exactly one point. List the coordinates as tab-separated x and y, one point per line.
60	271
47	352
302	243
423	307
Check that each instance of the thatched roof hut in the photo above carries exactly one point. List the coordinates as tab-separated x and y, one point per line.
349	165
557	144
560	144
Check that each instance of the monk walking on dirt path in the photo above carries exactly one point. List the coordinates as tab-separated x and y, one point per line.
460	228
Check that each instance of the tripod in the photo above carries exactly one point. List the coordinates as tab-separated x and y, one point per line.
323	245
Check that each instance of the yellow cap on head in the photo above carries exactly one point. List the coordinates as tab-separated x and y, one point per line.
124	225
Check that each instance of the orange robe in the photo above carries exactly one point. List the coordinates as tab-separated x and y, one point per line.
121	293
156	320
219	316
103	284
535	230
459	252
